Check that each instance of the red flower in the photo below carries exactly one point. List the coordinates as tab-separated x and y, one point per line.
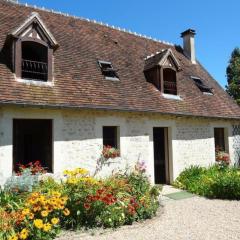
87	206
100	191
131	210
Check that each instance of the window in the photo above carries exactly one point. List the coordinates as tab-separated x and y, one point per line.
108	71
219	138
201	85
33	46
32	141
34	61
164	79
161	70
169	81
110	136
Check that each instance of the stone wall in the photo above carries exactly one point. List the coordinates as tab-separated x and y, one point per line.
194	144
77	137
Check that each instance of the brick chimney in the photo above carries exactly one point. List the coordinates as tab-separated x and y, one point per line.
189	44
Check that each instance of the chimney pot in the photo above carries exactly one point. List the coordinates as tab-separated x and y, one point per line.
189	44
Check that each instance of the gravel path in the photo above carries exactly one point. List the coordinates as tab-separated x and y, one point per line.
188	219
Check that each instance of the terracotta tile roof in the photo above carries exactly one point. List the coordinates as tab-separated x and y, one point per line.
78	81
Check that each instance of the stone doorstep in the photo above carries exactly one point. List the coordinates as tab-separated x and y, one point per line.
171	193
167	189
179	195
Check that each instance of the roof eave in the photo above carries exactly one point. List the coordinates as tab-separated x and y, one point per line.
108	108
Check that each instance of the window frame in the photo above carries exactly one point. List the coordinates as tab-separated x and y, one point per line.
100	63
117	136
225	137
18	58
158	80
195	79
162	80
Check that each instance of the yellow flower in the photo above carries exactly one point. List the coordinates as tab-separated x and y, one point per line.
49	209
61	206
38	223
72	181
47	227
56	194
56	206
41	198
53	201
26	211
66	172
81	171
55	221
63	200
66	212
44	213
23	234
14	237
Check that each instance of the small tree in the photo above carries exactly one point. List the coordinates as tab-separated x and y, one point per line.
233	75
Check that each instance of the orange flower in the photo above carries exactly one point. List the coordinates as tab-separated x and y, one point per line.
31	216
66	212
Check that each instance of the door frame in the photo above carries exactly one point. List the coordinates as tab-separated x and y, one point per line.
166	151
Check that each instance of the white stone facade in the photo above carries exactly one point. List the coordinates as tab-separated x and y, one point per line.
77	139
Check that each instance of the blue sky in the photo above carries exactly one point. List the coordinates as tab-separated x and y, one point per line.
216	23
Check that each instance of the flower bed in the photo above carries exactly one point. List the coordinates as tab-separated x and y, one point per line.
218	181
78	201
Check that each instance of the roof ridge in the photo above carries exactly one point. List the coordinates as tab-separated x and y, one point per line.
90	20
155	54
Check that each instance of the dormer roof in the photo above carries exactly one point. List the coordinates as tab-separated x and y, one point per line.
165	58
34	27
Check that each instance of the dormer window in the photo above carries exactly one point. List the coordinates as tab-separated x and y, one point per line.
108	71
33	50
161	70
202	86
34	61
169	81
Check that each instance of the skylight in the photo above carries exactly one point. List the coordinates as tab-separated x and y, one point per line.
108	71
202	86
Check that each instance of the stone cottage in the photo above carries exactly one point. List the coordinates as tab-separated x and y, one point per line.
68	86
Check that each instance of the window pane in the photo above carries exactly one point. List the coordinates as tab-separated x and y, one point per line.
169	80
110	136
107	69
34	61
219	138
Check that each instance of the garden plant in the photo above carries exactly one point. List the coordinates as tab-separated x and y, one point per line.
36	207
217	181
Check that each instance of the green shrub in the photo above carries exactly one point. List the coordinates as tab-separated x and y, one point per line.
213	182
10	200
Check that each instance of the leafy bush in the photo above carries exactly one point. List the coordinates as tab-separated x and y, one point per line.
78	201
217	181
10	200
111	202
